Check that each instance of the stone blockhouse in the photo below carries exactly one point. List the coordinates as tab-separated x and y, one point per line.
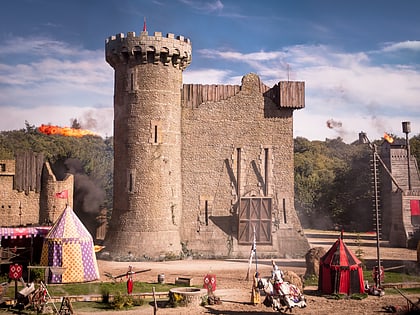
400	198
202	170
27	191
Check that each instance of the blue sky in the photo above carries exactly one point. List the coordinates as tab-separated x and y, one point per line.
360	60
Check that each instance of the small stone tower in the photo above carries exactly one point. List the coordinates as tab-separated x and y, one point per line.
147	143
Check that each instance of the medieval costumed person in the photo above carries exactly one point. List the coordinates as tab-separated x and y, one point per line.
255	293
276	274
277	277
130	273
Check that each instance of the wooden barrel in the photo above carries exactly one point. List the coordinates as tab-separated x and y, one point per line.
161	278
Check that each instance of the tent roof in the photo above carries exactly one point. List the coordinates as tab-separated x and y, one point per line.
68	227
21	232
340	256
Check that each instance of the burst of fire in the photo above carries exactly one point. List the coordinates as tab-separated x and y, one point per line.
388	138
65	131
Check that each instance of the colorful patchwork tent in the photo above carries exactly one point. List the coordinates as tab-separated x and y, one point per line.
340	271
69	251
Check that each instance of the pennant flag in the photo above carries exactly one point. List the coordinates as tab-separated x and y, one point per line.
254	246
62	194
252	254
144	25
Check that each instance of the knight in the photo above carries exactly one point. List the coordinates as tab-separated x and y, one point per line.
276	274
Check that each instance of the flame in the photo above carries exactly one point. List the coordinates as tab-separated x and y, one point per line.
388	138
65	131
98	248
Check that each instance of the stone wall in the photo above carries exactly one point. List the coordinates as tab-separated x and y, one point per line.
30	206
51	206
212	132
16	207
394	202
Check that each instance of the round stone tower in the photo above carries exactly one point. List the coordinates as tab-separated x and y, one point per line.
147	206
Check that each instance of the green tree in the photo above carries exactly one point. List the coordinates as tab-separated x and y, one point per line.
331	183
415	147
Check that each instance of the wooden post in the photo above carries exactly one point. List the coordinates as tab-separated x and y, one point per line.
154	302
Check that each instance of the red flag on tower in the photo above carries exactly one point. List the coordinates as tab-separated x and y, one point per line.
62	194
144	25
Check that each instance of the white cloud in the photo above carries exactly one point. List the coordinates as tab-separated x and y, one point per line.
81	79
409	44
52	82
207	6
311	124
207	76
351	87
42	46
348	87
237	56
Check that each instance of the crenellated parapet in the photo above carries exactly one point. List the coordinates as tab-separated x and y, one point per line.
144	49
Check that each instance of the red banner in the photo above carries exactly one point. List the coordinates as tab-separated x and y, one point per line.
210	282
15	272
62	194
415	207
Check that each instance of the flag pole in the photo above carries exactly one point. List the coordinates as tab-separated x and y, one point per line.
255	251
251	255
249	266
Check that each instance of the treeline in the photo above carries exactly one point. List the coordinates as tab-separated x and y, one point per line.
333	180
334	184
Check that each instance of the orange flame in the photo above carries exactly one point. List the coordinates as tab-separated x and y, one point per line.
388	138
65	131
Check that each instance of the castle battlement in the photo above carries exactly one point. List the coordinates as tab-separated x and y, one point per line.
144	49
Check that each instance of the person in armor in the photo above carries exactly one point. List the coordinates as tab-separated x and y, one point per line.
276	274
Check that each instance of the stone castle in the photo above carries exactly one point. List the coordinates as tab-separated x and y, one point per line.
27	190
199	170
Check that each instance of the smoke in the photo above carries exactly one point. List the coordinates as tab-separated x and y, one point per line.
99	120
376	118
331	123
338	127
88	196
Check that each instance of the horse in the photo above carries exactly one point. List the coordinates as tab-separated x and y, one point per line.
281	294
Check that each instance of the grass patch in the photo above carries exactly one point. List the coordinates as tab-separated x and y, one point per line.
102	288
90	306
392	277
311	281
120	300
404	291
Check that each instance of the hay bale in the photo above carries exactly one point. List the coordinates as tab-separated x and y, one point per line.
312	258
293	278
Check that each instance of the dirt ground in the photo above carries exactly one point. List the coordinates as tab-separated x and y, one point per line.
235	291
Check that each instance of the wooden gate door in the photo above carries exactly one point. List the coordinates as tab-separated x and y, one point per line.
255	212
